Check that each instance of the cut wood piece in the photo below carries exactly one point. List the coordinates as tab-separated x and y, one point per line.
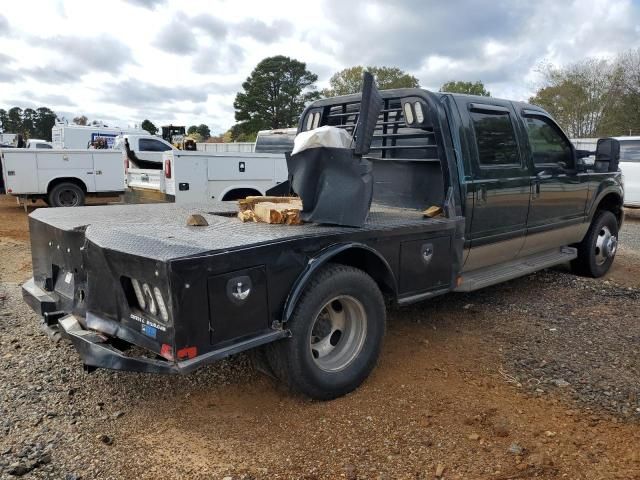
433	211
247	216
269	212
249	202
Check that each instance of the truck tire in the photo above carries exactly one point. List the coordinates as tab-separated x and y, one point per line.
598	248
336	329
66	194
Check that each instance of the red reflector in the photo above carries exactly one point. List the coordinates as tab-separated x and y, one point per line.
187	352
165	351
9	190
167	168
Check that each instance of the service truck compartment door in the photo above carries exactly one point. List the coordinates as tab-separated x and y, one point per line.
500	185
108	170
20	172
54	164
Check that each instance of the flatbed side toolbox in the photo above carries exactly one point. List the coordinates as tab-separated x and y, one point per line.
238	303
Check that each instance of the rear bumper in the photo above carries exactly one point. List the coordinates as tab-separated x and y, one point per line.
98	350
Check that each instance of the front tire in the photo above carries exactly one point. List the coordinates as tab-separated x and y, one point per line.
598	248
66	195
336	334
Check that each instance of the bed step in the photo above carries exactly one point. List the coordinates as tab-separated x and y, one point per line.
484	277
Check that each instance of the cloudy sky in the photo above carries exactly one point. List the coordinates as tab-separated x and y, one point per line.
183	61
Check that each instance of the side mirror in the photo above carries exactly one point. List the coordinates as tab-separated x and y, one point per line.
607	155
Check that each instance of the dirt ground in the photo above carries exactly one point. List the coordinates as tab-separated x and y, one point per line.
535	378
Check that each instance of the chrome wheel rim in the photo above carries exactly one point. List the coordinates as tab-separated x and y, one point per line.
606	245
338	333
68	198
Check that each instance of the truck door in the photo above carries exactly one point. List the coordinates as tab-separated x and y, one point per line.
500	186
558	192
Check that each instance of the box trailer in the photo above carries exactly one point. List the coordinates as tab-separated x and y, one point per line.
81	136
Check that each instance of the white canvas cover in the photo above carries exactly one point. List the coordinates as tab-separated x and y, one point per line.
325	136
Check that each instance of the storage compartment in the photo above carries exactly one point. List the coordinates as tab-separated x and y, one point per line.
425	264
238	304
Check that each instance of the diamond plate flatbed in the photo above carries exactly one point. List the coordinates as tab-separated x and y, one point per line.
159	231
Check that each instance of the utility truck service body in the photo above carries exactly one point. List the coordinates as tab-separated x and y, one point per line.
514	198
180	176
62	178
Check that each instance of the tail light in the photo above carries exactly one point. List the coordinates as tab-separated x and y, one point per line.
167	168
126	164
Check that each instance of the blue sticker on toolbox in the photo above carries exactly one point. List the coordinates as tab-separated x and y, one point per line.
149	331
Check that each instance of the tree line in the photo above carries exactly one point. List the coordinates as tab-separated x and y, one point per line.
594	97
590	98
31	123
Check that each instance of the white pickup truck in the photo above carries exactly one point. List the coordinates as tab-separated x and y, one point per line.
62	178
186	176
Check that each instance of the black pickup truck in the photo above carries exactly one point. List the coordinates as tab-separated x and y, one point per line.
515	198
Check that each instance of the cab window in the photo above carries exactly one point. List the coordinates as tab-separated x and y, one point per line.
630	151
147	145
495	138
549	147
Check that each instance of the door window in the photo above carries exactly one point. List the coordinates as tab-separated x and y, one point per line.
630	151
148	145
495	138
548	145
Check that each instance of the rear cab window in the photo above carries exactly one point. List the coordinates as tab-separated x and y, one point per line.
495	139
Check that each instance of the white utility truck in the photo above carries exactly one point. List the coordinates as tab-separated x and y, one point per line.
186	176
62	178
81	136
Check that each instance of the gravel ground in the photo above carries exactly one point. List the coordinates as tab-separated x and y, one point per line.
535	378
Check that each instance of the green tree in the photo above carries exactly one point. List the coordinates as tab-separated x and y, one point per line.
14	120
149	127
581	95
203	130
192	129
349	80
44	122
81	120
4	118
273	95
469	88
29	116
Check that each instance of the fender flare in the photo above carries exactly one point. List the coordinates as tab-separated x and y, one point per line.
62	179
320	260
601	195
240	187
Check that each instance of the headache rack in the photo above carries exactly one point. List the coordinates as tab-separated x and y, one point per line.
392	139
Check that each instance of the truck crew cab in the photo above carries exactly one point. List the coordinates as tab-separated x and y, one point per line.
515	198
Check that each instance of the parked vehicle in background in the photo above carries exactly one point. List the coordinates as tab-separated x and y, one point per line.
275	141
36	143
171	175
81	136
508	195
62	178
629	164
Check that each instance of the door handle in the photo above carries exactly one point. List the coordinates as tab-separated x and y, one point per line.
536	188
481	195
241	166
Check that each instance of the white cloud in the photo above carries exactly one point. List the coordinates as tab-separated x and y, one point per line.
124	61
